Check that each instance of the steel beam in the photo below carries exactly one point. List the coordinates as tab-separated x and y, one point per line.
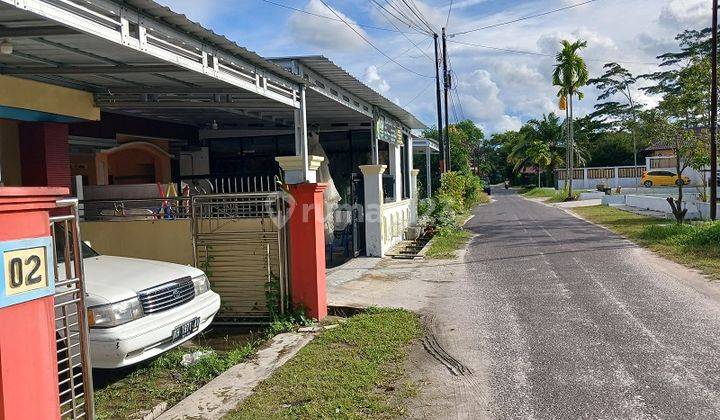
92	70
36	31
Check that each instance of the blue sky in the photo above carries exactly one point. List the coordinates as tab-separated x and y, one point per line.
498	90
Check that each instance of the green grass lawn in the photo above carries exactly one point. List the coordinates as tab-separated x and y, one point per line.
354	371
695	245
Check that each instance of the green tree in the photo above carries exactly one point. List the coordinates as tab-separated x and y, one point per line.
540	144
570	75
617	80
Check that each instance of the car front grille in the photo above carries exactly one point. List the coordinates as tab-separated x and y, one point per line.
167	296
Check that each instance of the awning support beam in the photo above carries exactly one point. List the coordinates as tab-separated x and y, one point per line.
90	70
301	134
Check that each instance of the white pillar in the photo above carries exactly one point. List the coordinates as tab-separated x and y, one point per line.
414	196
374	147
80	195
396	170
428	175
301	141
617	177
373	209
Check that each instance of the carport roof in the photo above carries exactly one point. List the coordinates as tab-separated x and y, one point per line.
336	74
132	46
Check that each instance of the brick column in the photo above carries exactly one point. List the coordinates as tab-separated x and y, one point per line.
308	284
44	154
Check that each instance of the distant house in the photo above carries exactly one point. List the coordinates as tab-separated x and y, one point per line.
659	150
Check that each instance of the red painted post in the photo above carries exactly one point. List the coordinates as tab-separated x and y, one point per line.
307	250
28	353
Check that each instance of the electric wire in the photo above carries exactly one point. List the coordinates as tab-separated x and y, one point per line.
362	25
495	25
414	44
419	94
416	11
401	16
447	21
373	45
509	50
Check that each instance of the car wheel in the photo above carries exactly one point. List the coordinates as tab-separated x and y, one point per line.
679	182
648	184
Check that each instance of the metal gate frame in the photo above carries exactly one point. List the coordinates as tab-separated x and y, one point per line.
222	209
71	325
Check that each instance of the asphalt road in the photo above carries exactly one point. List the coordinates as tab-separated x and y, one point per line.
561	319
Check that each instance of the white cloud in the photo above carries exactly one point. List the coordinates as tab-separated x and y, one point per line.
686	13
328	34
375	81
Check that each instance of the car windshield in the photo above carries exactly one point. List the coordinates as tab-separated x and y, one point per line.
87	252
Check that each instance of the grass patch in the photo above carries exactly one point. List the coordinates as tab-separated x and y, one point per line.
539	192
550	195
354	371
696	245
483	199
446	242
129	392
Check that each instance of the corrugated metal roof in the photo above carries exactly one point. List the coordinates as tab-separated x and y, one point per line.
336	74
182	23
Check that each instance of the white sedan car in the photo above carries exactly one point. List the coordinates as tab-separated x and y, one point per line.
138	309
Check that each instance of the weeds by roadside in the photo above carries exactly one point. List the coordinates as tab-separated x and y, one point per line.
696	245
354	371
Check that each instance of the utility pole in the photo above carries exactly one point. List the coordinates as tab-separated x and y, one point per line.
446	78
713	116
441	143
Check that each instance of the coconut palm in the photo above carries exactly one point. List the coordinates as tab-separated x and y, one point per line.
570	75
540	144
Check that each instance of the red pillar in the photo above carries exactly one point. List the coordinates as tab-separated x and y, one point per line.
307	250
45	154
28	353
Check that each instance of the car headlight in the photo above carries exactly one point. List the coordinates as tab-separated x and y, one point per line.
114	314
201	284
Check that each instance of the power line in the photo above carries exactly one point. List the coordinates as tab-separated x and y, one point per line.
495	25
508	50
331	18
371	44
447	21
406	37
403	17
419	15
418	95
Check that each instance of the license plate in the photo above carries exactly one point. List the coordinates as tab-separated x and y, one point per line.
183	330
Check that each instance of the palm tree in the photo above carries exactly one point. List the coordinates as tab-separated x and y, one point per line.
570	75
540	144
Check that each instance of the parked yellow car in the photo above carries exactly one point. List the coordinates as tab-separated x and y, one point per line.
662	178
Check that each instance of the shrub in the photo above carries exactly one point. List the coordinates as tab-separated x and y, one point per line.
461	189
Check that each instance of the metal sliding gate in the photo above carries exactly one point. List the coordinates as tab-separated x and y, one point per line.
240	241
71	328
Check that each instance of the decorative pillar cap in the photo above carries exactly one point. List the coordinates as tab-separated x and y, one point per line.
372	169
415	172
295	163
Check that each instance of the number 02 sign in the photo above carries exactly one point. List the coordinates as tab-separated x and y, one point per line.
27	271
